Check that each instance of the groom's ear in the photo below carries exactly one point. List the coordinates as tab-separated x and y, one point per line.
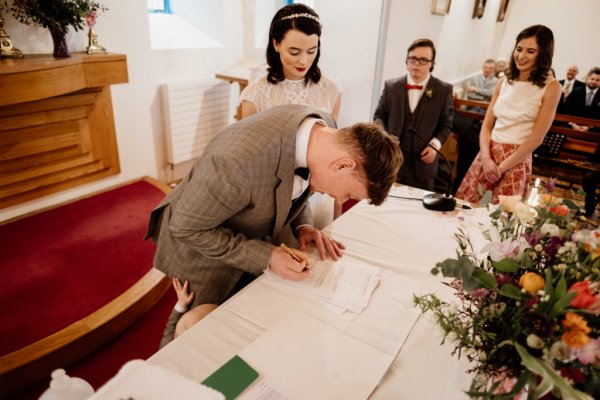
345	164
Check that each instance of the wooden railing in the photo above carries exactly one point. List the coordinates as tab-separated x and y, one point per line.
569	161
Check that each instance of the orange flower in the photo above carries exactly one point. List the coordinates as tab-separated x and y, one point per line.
575	330
531	282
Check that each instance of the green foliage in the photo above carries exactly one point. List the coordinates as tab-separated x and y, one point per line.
56	15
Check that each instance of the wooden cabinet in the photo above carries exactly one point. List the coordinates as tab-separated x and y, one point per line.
57	128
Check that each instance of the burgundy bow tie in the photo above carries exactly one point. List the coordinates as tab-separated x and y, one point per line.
409	86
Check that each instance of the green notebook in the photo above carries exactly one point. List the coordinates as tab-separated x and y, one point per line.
232	378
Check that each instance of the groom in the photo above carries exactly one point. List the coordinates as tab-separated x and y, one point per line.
221	226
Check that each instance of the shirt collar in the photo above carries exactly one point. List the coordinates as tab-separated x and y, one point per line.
302	138
423	83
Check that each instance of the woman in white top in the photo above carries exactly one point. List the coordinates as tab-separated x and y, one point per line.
293	75
294	78
517	120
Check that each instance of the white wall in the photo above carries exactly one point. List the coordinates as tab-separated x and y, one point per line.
349	49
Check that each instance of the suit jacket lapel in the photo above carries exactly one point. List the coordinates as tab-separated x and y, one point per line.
403	96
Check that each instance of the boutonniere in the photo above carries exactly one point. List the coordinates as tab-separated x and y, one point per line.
429	93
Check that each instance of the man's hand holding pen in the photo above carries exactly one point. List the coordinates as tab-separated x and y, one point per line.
289	264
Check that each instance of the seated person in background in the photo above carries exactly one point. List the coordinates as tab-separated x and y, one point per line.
479	88
181	319
221	226
417	104
482	86
571	82
500	67
585	101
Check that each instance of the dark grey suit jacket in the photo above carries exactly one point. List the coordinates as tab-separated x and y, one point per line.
433	119
222	219
575	104
561	107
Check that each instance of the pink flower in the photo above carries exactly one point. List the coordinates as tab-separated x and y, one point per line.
90	19
505	249
590	353
479	293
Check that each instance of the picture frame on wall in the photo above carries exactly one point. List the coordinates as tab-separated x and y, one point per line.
478	8
440	7
502	10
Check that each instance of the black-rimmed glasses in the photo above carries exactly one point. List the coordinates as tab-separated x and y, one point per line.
420	60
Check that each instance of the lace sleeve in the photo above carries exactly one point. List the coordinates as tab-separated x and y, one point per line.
333	91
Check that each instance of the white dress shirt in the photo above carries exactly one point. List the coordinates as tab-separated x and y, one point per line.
302	138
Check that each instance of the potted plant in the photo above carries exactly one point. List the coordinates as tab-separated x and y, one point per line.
56	15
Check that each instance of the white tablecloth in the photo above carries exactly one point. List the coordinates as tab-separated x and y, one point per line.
402	238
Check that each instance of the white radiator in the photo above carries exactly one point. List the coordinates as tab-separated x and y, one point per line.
194	112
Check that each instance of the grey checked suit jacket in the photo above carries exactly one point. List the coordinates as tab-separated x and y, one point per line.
222	218
433	119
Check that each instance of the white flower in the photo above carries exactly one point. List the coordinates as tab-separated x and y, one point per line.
509	203
561	352
550	230
534	341
524	212
452	308
452	337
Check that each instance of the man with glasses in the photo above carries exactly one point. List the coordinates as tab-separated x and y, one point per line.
417	108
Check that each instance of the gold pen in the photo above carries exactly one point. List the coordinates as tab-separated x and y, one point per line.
294	256
291	252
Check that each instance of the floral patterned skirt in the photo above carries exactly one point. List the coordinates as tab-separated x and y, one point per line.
512	183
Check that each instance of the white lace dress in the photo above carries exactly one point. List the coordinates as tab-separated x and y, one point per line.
322	96
265	95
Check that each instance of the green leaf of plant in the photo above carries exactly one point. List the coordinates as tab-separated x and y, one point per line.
561	304
548	283
549	377
464	268
511	291
570	204
561	287
508	265
486	279
485	200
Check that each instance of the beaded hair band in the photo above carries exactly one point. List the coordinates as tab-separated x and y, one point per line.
305	15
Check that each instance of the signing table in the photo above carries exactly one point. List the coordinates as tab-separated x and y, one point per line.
388	351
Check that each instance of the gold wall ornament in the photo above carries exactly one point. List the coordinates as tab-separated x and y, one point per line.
6	47
93	47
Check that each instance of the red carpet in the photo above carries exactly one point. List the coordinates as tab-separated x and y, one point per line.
140	341
60	265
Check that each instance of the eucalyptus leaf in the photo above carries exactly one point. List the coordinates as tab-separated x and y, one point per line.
507	265
485	200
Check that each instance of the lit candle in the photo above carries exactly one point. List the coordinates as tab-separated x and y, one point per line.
533	199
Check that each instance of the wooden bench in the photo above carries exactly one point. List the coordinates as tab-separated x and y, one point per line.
564	154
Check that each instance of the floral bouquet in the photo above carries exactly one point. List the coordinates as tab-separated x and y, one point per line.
526	313
57	16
